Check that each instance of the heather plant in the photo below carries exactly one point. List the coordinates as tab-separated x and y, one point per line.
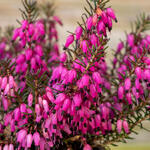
72	99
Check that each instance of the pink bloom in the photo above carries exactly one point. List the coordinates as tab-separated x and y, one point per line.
21	135
125	126
4	83
111	13
57	19
66	105
6	147
95	19
119	126
78	32
97	78
130	40
11	147
129	98
93	91
84	81
45	105
89	23
77	100
138	72
29	140
30	100
63	57
121	92
84	46
36	138
69	41
11	82
87	147
127	84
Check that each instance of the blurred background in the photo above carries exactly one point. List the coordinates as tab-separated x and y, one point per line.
70	11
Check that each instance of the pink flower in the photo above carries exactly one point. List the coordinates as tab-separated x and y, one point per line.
119	126
125	126
69	41
30	100
36	138
87	147
66	104
84	46
97	78
78	32
77	100
63	57
127	84
29	140
21	135
130	40
11	147
89	23
6	147
111	13
121	92
138	72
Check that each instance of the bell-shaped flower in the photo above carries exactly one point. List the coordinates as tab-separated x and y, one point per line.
77	100
125	126
45	105
29	140
78	32
110	13
130	40
36	138
6	147
87	147
30	99
89	23
28	54
11	147
127	84
119	126
66	104
69	41
97	78
3	83
121	92
63	57
21	135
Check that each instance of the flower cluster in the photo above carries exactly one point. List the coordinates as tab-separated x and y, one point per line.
72	100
